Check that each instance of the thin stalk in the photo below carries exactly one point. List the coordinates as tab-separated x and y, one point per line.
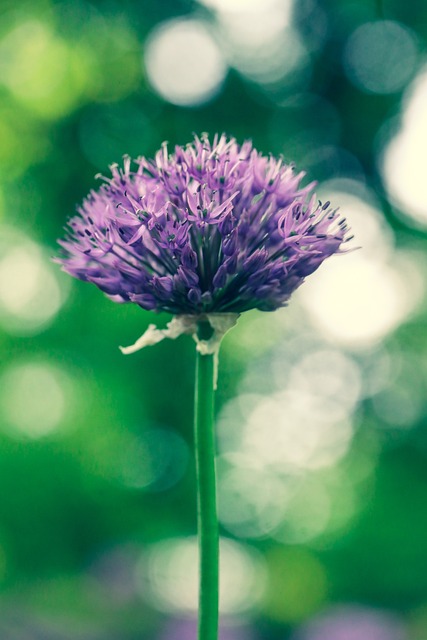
207	520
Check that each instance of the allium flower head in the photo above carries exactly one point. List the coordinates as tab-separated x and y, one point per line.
214	227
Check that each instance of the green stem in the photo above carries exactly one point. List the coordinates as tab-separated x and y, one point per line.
206	492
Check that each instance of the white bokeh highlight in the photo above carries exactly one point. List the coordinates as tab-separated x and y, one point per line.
360	298
154	460
274	446
34	397
380	57
403	160
258	40
168	575
183	62
31	292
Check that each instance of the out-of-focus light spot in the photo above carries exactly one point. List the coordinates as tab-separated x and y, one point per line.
30	294
168	574
343	487
258	40
380	57
156	460
252	501
403	162
361	297
23	143
399	407
312	20
378	366
306	515
358	204
250	29
401	402
232	420
51	76
184	63
284	470
353	623
292	509
276	441
257	333
107	51
296	585
33	399
296	429
358	301
328	375
37	67
271	62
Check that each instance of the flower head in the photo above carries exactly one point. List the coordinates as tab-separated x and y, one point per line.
214	227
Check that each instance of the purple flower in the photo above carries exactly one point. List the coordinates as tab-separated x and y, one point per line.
211	228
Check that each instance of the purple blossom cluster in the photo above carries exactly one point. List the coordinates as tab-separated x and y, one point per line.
213	227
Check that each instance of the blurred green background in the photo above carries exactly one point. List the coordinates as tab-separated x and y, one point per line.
322	406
